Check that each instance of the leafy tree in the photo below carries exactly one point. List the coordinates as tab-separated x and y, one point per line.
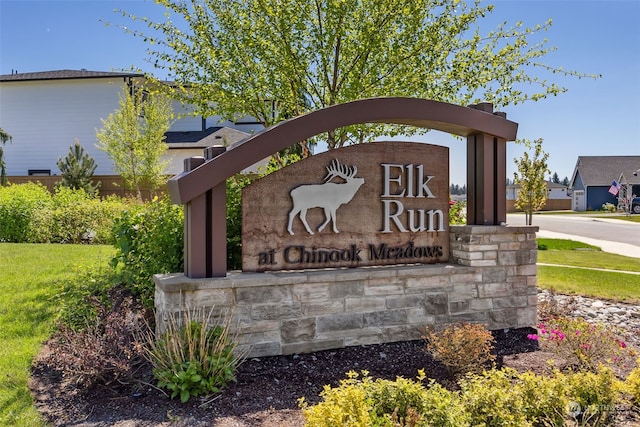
530	177
77	170
565	181
133	138
4	138
555	178
274	59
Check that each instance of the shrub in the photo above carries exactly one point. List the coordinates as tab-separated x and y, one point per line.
192	358
492	400
458	213
583	344
461	348
608	207
544	398
345	405
443	408
235	185
24	213
632	384
592	396
74	213
396	398
104	351
148	241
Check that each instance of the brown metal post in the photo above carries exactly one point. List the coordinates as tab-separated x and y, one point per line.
218	236
195	221
486	180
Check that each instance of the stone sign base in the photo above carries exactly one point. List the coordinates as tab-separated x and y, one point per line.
491	279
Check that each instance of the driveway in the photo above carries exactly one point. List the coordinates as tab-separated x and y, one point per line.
612	235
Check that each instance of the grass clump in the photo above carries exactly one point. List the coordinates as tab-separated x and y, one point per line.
192	358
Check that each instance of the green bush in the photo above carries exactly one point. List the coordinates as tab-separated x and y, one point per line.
24	213
632	385
235	185
443	408
30	214
594	395
544	398
191	358
148	240
342	406
492	400
395	397
458	213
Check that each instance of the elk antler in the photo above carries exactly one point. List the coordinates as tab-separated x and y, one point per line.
336	169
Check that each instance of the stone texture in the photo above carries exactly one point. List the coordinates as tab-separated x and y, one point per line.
286	313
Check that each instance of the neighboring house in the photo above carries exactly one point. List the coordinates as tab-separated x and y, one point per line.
45	112
593	176
185	144
557	197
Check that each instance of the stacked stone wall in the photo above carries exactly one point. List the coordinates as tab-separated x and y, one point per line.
490	279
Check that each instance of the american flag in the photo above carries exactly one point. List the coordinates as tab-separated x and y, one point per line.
615	188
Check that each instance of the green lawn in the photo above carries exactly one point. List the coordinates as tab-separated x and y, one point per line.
607	285
30	276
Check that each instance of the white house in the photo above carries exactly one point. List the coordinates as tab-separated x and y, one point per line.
558	197
44	112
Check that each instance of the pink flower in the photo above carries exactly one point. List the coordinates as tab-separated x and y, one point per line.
577	332
533	337
622	344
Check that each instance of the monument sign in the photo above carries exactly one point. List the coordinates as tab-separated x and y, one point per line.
372	204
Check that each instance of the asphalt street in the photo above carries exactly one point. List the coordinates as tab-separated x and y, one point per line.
612	235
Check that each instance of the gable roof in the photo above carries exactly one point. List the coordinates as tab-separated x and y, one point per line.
220	135
602	170
64	74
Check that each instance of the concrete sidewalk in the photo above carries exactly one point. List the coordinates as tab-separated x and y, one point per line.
607	246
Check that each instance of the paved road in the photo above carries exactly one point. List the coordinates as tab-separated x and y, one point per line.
616	236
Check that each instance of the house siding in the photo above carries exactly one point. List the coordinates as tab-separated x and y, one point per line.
45	117
598	196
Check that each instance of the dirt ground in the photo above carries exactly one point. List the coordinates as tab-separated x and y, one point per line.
267	390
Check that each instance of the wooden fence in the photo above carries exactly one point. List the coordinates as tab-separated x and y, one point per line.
550	205
109	185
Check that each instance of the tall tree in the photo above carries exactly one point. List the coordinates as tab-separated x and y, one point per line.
77	170
565	181
532	169
274	59
4	138
133	138
555	178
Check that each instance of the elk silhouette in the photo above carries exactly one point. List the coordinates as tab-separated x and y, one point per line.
328	196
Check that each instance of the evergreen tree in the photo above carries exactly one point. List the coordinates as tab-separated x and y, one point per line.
555	178
565	181
530	176
4	138
77	170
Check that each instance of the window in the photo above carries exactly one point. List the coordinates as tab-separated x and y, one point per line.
39	172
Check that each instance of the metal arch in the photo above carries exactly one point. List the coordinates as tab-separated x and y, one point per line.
463	121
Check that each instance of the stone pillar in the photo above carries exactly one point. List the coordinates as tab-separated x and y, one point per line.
507	256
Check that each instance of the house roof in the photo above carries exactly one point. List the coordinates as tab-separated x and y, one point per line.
602	170
220	135
64	74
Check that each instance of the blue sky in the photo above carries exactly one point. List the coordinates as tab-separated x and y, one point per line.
595	117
